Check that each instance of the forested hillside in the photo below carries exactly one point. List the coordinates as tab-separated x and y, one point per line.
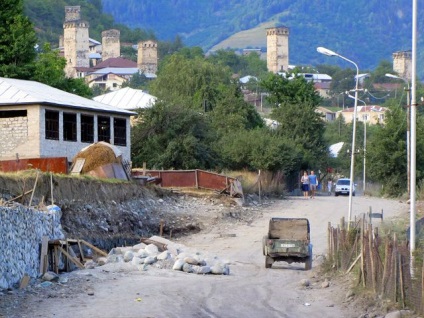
368	31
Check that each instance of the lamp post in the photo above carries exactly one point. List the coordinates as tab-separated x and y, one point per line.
365	142
328	52
408	127
413	129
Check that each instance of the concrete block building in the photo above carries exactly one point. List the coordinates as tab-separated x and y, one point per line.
39	121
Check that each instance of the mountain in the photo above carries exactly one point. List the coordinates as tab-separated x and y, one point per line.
365	31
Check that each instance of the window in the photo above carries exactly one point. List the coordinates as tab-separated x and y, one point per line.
87	128
69	127
52	124
13	113
103	128
120	131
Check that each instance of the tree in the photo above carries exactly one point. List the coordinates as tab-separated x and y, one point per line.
193	83
259	149
173	137
231	113
386	153
17	41
295	102
49	67
137	81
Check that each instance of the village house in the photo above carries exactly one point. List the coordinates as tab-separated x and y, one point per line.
370	114
327	114
39	121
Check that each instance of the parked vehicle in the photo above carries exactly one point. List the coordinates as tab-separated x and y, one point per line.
343	187
288	240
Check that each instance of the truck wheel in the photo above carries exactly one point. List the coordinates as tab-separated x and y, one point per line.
268	262
308	263
264	244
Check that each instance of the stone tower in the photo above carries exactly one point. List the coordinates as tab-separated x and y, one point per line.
402	64
111	45
75	41
147	59
277	43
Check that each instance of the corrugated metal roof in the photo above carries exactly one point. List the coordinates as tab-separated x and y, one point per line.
127	98
94	41
247	78
15	91
94	56
117	70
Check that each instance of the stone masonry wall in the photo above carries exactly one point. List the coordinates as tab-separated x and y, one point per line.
17	128
21	232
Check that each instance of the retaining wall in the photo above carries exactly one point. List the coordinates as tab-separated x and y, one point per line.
21	232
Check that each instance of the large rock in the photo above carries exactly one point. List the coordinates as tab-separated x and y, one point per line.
150	260
152	249
128	256
178	265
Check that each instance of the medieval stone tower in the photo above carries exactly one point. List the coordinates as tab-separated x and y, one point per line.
111	45
277	42
402	63
75	41
147	59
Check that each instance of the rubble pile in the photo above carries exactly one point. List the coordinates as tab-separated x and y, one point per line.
164	254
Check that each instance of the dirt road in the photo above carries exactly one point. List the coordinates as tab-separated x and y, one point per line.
249	291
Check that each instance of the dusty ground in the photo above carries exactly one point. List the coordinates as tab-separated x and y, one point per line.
231	233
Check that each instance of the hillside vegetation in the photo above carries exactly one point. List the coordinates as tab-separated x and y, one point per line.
368	31
365	31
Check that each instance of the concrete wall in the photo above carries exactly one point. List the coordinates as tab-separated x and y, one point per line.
21	232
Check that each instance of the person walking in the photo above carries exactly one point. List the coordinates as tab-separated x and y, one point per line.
313	183
330	186
305	184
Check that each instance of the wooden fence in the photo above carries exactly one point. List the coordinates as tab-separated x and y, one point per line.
383	264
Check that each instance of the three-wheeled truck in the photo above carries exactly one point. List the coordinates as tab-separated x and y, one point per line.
288	240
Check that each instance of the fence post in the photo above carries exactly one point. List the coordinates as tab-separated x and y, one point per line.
386	265
371	253
329	239
363	251
395	274
422	289
197	179
401	286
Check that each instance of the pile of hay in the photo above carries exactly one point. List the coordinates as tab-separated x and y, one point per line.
95	156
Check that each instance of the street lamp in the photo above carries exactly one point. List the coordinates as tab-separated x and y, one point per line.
365	141
408	126
328	52
413	180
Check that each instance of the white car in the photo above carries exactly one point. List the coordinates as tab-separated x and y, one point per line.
343	187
